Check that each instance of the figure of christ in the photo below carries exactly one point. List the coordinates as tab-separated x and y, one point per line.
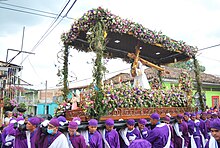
140	80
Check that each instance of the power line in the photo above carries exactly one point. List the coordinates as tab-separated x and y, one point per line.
49	30
34	69
51	15
105	74
209	47
27	12
51	25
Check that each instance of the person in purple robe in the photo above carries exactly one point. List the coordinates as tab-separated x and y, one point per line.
128	134
214	141
214	116
197	132
209	114
25	139
54	138
142	128
140	143
181	137
167	121
8	134
76	140
207	123
190	124
110	135
92	137
203	128
160	136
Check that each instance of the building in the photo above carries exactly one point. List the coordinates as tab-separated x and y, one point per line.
48	98
9	82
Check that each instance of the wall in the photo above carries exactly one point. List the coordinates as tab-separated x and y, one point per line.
50	108
209	95
40	109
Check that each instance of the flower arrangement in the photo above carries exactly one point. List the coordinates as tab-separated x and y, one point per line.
185	82
124	96
10	104
63	107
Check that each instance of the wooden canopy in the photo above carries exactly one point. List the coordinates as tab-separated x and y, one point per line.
122	37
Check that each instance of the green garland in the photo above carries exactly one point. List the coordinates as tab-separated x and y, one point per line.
96	38
65	89
199	84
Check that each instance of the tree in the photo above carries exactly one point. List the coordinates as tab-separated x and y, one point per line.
188	65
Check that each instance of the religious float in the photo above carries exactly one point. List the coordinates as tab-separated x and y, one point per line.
110	36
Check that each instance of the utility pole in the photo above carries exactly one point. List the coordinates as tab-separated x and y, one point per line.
45	98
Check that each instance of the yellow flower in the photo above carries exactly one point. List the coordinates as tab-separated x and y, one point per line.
105	34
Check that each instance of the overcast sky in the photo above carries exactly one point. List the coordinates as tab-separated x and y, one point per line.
193	21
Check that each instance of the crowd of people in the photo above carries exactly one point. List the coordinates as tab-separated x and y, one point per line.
188	130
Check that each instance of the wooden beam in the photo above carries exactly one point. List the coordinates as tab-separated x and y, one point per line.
145	62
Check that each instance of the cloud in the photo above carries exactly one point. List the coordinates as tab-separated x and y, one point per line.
13	21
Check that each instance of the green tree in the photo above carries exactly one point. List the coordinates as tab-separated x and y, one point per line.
188	65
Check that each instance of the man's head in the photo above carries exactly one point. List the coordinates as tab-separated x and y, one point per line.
141	123
93	124
214	115
32	123
8	114
215	129
186	116
193	117
154	118
130	124
72	128
209	114
53	126
166	120
109	124
179	118
204	115
198	114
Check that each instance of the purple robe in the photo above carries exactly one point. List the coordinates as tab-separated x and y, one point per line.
77	141
21	139
203	129
112	138
172	135
158	137
9	130
143	132
50	138
39	138
207	144
190	124
207	123
95	140
135	132
183	129
196	134
44	141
